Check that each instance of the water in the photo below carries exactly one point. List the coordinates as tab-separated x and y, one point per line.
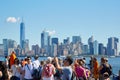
114	61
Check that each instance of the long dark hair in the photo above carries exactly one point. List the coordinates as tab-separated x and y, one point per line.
3	69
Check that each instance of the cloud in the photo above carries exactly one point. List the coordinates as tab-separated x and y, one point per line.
12	19
51	32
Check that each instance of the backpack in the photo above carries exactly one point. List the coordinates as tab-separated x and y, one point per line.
48	70
36	74
107	69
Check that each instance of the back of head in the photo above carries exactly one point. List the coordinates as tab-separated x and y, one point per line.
36	57
69	59
28	57
105	75
49	59
16	61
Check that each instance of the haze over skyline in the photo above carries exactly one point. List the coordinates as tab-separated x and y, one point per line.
64	18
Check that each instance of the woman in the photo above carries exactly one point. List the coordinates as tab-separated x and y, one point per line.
3	71
80	71
48	70
95	69
15	69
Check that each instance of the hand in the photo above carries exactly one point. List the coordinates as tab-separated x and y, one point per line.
56	59
1	74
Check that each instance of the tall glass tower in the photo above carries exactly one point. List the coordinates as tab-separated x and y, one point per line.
112	46
22	34
45	41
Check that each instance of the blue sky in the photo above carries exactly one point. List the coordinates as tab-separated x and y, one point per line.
100	18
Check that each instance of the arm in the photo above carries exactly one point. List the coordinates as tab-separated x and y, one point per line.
54	71
57	64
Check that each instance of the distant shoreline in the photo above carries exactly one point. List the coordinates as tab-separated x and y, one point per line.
71	56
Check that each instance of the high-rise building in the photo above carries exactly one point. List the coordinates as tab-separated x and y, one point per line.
36	49
55	41
101	49
26	45
53	50
22	34
76	39
90	43
112	46
9	46
85	49
1	49
95	46
45	42
66	41
5	43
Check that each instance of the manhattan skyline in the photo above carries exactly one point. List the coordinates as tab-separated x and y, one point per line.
68	18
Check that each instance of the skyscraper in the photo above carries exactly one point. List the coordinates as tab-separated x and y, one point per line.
55	41
85	49
2	49
66	41
45	41
36	49
95	47
5	43
76	39
22	34
112	46
101	49
90	43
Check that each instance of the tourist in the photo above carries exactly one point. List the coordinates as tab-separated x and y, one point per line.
4	72
104	67
16	69
36	63
95	69
80	71
12	58
27	69
48	70
6	61
66	68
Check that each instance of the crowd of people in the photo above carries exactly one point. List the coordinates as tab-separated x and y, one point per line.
54	68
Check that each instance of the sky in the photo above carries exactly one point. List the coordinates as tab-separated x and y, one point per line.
63	18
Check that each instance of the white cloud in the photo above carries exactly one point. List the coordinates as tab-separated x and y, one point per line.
51	32
12	19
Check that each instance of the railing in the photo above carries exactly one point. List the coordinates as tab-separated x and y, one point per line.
116	77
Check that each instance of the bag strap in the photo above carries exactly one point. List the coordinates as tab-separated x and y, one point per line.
28	68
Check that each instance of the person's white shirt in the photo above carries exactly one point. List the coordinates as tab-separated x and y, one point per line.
28	71
36	64
50	78
15	71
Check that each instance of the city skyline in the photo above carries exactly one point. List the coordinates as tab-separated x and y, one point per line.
62	18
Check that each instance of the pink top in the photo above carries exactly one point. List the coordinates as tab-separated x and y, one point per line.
48	71
79	71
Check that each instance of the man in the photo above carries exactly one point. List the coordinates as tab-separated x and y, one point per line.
66	69
36	63
27	69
